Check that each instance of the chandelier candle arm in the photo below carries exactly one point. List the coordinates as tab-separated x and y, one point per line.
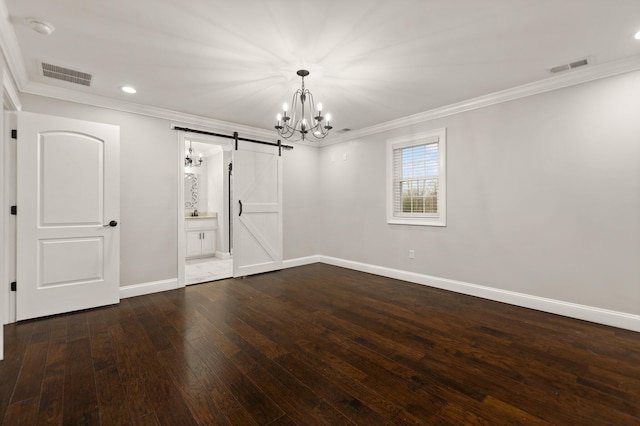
305	121
189	161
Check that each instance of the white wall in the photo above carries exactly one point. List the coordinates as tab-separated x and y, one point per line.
149	179
148	187
215	201
303	211
543	198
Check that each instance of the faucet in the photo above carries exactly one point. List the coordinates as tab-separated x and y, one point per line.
195	213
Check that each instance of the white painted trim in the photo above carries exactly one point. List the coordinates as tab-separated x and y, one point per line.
570	78
10	48
11	100
13	57
181	232
204	123
300	261
8	299
141	289
3	228
223	255
181	137
568	309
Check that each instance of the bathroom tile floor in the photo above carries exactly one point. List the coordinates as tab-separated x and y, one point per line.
207	269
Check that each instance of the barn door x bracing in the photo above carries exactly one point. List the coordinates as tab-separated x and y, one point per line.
68	189
257	215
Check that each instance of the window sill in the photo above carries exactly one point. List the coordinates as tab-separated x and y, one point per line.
417	221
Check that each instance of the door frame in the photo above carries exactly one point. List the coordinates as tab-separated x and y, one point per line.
8	247
10	102
182	137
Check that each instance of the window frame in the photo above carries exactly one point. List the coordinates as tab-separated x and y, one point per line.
438	136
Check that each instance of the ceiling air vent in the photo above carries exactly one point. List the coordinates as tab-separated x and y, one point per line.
66	74
346	129
569	66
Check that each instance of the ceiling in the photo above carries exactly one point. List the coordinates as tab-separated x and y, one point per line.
371	61
206	149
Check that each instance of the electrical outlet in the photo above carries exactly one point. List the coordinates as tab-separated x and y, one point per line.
412	254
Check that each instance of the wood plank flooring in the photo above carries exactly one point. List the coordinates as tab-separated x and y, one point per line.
317	345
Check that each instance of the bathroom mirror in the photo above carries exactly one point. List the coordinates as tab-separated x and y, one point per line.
190	191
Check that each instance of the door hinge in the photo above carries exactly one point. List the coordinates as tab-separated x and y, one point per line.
14	134
14	210
14	286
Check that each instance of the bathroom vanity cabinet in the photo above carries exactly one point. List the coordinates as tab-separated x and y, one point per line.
200	236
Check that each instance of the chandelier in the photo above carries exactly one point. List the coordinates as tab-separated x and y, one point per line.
189	160
305	120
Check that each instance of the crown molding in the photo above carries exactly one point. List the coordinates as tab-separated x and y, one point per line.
16	72
134	108
11	98
176	118
10	48
16	77
571	78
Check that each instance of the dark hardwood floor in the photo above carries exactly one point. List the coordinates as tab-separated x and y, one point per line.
317	345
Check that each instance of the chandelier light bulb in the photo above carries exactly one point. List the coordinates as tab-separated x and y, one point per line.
319	107
279	117
285	108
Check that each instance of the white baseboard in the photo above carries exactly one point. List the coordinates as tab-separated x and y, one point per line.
568	309
300	261
223	255
148	288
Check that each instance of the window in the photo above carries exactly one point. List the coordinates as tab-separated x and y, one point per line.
416	186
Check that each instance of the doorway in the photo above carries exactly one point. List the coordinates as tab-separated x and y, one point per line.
205	210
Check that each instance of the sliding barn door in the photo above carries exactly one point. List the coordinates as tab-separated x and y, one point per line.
68	189
257	211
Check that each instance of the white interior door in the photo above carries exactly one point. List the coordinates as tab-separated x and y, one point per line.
257	211
68	189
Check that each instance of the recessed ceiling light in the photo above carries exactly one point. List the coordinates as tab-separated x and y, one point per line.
40	26
128	89
637	36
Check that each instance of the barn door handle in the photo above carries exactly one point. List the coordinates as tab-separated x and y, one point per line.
111	224
240	202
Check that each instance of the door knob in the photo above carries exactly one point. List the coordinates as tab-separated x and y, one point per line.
112	224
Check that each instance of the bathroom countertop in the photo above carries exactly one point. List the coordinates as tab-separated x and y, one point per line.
207	215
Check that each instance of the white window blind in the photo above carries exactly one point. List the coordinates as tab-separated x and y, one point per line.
416	180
